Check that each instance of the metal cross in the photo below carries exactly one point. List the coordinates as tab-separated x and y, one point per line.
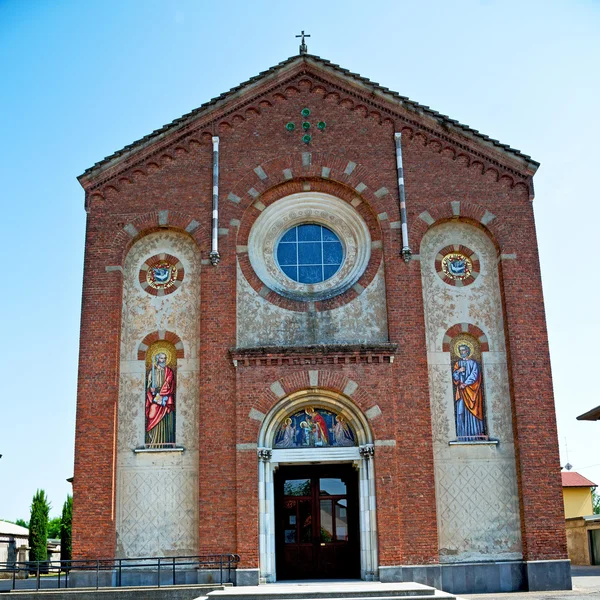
303	46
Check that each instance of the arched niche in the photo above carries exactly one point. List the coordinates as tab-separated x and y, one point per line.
361	455
334	402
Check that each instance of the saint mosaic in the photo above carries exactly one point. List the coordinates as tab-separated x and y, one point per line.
314	428
160	397
468	390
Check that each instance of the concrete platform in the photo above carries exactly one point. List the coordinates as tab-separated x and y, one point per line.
340	590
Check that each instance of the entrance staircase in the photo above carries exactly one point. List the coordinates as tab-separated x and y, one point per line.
336	590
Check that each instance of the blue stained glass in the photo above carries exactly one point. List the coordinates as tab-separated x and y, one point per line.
330	271
312	274
310	253
289	236
328	235
309	233
332	253
286	254
291	272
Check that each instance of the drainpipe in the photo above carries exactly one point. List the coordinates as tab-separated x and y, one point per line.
406	252
214	255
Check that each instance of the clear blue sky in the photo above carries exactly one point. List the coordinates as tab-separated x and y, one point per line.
80	80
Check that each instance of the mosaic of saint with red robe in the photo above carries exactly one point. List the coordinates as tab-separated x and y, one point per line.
320	429
160	402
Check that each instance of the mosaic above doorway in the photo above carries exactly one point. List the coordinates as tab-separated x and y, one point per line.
314	428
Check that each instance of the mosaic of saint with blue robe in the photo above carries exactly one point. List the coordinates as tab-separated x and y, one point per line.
466	373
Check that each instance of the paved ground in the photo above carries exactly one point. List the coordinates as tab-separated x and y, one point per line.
586	586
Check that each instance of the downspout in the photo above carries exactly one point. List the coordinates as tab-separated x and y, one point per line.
214	255
406	252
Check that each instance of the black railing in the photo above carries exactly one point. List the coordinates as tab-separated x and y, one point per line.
119	572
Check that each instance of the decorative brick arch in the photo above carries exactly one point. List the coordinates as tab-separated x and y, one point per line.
312	379
465	328
156	336
126	234
428	216
308	172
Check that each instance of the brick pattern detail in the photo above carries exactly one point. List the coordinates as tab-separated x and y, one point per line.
156	336
465	328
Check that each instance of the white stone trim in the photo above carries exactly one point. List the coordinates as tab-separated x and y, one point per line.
309	207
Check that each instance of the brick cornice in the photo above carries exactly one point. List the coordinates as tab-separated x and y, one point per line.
314	355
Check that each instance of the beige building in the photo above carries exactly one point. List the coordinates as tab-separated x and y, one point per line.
577	494
583	527
13	543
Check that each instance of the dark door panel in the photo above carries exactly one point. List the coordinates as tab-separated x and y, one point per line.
317	522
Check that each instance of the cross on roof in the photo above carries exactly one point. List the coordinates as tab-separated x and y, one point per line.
303	46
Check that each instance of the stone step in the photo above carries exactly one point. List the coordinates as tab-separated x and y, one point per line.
334	590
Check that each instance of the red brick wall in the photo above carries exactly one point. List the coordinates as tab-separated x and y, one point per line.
174	174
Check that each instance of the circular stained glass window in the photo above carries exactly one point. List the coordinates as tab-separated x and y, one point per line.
310	253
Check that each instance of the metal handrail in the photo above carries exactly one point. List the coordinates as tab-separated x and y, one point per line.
119	566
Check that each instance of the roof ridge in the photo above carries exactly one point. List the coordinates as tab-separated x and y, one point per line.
440	117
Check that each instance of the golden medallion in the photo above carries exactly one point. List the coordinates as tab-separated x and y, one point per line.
457	266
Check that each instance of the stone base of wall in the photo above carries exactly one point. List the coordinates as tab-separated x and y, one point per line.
247	576
149	577
167	593
485	578
544	575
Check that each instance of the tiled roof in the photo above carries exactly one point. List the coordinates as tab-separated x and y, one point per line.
7	528
590	415
308	58
572	479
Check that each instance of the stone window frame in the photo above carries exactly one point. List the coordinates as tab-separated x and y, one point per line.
301	208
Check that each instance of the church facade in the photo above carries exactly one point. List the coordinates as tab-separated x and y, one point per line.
313	334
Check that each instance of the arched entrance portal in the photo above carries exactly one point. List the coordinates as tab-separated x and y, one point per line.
317	513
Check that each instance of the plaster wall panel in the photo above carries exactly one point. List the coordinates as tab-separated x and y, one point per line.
157	492
361	321
476	482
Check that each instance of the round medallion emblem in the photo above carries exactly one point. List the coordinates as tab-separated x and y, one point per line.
161	274
457	265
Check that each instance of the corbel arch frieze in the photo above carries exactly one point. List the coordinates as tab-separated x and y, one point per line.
465	157
367	106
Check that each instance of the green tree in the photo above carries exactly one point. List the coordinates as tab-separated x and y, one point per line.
54	528
596	501
65	529
38	527
22	523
